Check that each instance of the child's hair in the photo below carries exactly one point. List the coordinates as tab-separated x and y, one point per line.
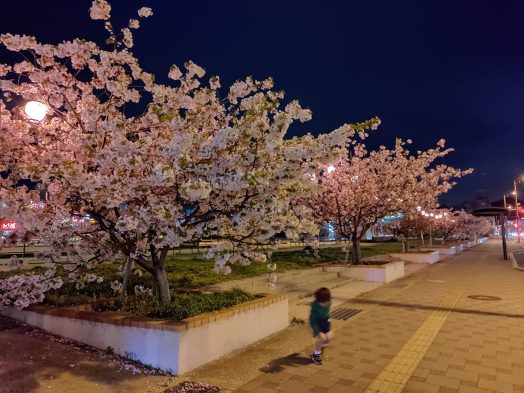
322	295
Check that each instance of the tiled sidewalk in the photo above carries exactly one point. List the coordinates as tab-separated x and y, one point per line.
422	334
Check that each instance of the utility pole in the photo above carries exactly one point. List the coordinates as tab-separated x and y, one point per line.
503	233
516	208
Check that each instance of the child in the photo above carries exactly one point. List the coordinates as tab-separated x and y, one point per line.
319	321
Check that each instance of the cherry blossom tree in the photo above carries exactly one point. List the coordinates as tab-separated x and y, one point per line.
360	190
134	167
470	227
483	226
446	225
408	226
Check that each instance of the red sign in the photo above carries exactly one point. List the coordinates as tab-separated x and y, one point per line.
8	225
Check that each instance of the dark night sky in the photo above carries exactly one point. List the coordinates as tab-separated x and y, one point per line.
429	69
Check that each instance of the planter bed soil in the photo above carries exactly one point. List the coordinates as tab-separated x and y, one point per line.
428	257
383	271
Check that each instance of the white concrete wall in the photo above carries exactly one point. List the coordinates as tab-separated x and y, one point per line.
173	351
441	250
419	257
154	347
213	340
459	247
514	261
382	273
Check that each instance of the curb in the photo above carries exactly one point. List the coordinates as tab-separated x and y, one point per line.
514	262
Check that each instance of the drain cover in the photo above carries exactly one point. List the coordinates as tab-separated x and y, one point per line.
484	297
344	313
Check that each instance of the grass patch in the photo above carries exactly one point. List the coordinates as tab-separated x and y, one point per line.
187	272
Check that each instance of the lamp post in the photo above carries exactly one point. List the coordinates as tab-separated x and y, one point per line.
431	216
430	229
338	238
516	208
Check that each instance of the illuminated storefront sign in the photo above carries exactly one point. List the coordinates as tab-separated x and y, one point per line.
8	225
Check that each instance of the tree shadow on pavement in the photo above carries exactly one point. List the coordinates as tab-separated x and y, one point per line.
293	360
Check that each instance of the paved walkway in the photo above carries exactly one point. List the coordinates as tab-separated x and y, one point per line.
418	334
32	360
423	333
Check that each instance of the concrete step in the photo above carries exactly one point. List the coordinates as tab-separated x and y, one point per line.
308	279
307	291
284	284
296	276
297	284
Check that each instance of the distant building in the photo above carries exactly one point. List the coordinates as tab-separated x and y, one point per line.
479	201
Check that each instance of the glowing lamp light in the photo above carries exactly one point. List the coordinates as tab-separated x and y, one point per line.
35	110
330	169
432	215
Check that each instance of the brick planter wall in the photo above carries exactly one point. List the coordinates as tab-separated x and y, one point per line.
175	347
419	257
374	273
442	250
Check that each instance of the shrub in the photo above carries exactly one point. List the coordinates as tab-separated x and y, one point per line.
182	306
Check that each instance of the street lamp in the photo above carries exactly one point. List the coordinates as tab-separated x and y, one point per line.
432	217
330	169
35	111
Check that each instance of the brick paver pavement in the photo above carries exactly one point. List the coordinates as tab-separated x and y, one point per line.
422	333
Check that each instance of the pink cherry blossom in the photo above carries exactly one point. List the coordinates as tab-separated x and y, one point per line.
359	191
123	187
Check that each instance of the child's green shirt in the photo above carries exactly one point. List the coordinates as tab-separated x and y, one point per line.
318	318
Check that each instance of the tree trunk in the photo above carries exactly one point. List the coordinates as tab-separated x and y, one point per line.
348	251
357	254
161	284
127	273
338	237
158	271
